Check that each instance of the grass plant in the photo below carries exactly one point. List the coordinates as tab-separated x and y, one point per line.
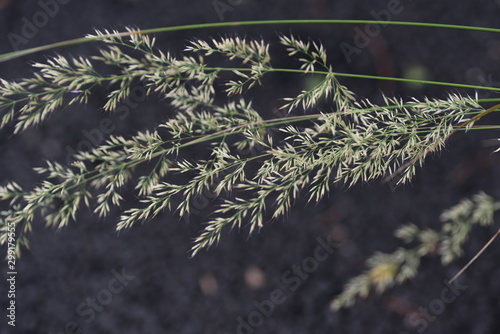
255	165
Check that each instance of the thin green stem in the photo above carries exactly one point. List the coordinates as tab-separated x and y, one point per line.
475	257
20	53
360	76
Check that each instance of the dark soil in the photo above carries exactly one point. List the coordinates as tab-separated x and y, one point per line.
166	291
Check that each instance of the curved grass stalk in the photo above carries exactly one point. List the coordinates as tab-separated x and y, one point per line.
368	77
76	41
478	254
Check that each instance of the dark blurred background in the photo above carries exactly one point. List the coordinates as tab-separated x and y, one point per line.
222	290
